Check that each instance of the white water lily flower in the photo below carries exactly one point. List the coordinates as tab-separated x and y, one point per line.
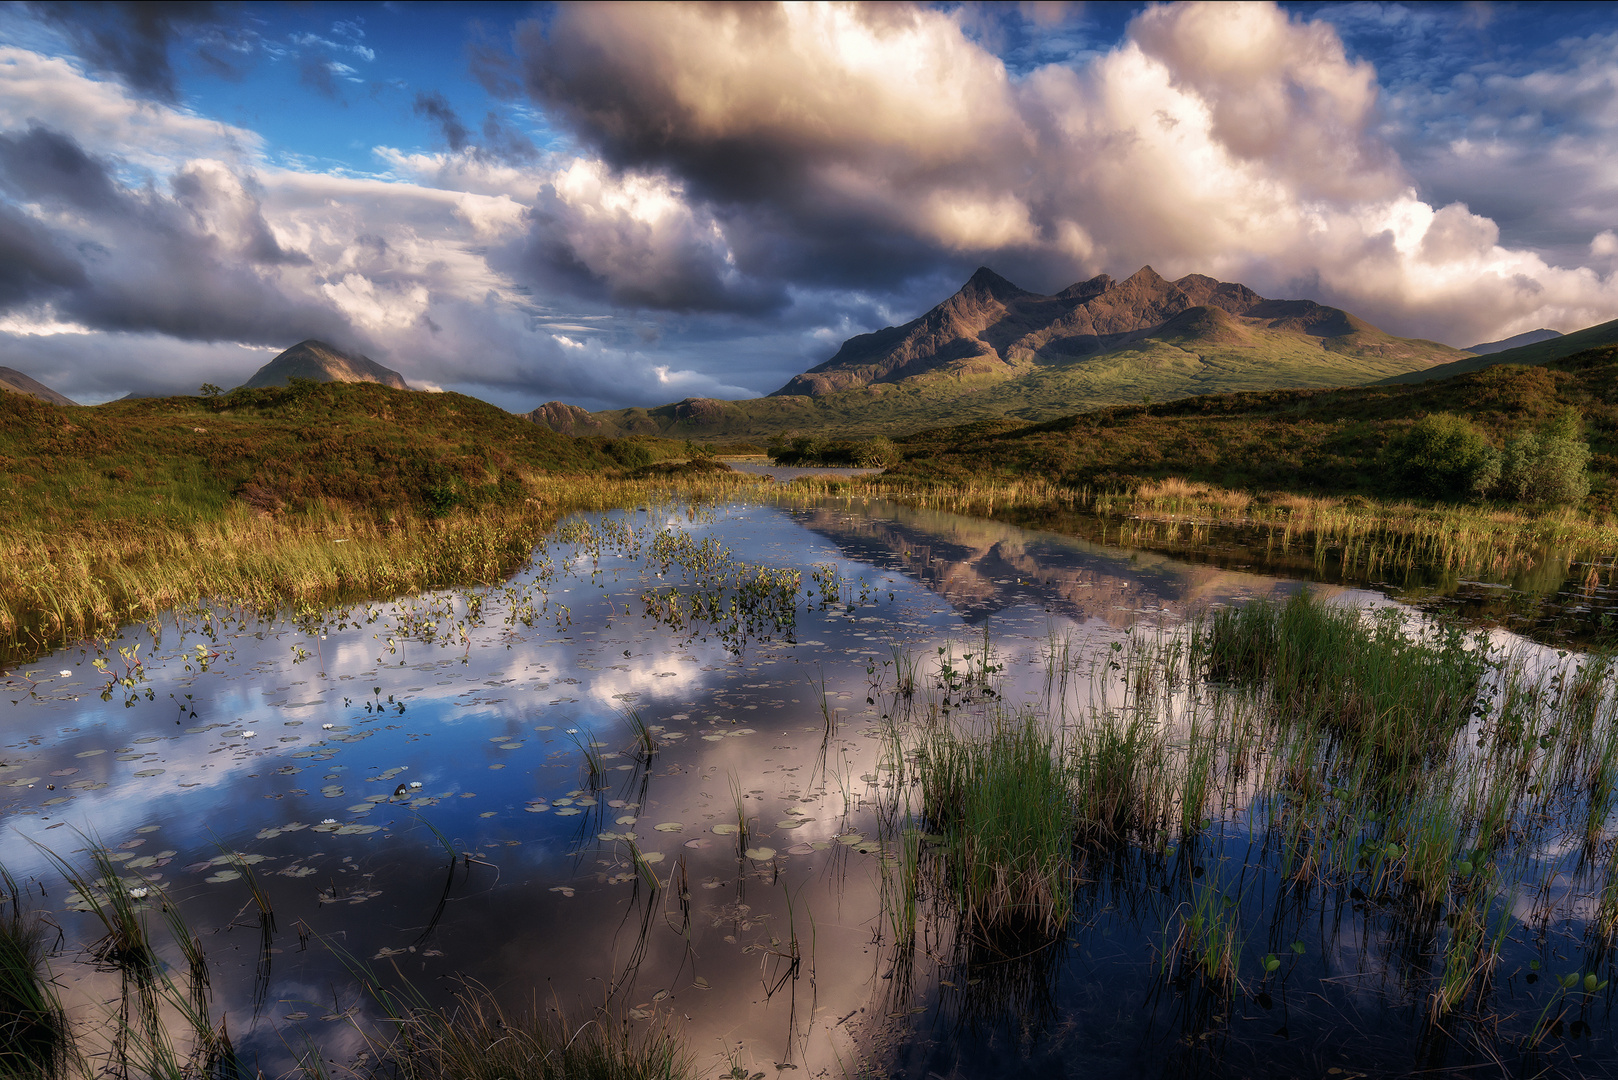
138	894
248	734
572	731
327	727
64	672
415	785
328	821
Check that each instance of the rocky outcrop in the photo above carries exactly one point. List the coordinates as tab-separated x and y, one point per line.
566	419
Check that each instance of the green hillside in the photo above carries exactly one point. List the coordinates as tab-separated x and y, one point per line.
1184	359
1319	441
1542	352
183	459
993	349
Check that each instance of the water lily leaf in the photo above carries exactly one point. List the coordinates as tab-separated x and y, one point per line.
726	829
761	854
669	826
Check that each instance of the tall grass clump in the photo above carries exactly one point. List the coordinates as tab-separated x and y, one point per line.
1401	698
475	1039
1004	805
34	1034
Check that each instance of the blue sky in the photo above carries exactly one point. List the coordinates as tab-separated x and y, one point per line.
620	205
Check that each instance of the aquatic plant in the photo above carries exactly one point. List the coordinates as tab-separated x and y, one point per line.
476	1039
1004	805
35	1039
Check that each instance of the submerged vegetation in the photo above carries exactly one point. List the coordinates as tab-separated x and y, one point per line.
1249	770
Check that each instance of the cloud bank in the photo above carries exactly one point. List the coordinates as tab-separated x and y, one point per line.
741	187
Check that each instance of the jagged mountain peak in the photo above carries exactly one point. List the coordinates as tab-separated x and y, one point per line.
992	329
985	282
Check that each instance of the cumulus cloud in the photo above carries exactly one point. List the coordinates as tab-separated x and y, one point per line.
203	244
739	188
841	143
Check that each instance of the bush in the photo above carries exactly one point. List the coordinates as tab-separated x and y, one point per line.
1548	467
630	453
1444	456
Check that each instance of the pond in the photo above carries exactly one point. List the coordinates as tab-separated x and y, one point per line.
684	769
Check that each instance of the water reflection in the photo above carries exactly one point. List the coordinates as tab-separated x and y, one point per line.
451	785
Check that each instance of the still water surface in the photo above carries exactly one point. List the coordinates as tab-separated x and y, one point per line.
333	751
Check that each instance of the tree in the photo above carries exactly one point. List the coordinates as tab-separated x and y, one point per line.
209	390
1444	456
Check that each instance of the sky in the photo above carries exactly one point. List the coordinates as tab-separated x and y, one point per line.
616	205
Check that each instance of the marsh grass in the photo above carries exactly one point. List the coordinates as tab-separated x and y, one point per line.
1376	767
35	1039
59	586
1357	534
474	1038
1004	805
1364	678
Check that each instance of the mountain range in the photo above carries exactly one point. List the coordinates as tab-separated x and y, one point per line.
994	349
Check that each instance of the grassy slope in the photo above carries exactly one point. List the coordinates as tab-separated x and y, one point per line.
183	459
1159	368
1542	352
1319	441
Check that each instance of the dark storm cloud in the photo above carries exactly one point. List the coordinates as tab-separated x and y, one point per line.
785	167
674	263
31	265
133	40
47	166
187	265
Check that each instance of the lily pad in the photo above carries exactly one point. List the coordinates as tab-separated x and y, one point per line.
761	854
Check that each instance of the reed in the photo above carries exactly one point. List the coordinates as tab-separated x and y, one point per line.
59	585
1380	689
35	1039
1367	535
1004	805
476	1039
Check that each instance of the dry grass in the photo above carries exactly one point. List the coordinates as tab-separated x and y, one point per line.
58	587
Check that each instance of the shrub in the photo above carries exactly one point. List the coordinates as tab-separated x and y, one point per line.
1444	456
1550	466
630	453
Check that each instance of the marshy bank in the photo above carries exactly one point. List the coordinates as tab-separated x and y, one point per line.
835	785
1548	574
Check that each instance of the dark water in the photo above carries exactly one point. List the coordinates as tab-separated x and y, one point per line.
286	741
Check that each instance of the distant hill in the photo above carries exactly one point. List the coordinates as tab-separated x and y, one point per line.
995	350
1541	352
16	382
185	458
324	363
1313	441
1532	337
567	419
